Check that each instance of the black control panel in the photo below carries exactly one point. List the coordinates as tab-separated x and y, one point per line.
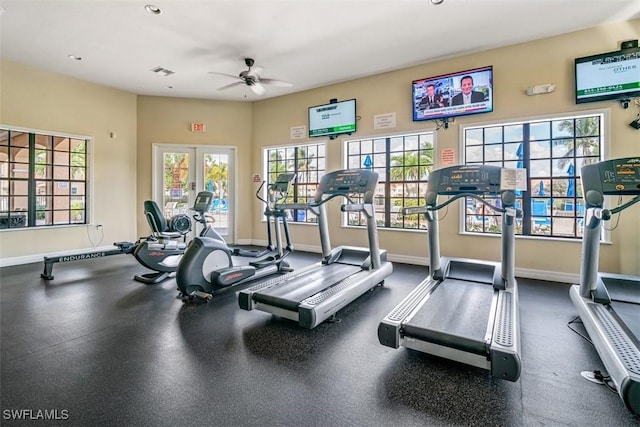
477	179
613	177
348	181
203	201
283	181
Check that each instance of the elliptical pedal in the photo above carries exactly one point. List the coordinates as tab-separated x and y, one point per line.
195	297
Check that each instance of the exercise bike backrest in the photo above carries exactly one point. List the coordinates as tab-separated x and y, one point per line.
178	226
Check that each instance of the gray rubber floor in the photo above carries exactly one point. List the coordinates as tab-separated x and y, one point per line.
93	347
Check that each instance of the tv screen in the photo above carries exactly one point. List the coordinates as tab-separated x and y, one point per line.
453	94
608	76
332	119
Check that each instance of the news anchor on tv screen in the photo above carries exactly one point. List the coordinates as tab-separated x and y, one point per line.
432	99
443	97
468	95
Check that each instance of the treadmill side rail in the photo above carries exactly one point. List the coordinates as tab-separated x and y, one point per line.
245	296
505	343
321	306
390	328
618	351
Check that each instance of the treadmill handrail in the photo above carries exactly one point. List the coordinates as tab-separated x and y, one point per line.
621	207
509	210
504	210
311	205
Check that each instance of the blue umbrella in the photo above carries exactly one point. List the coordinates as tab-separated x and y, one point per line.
520	154
368	162
571	188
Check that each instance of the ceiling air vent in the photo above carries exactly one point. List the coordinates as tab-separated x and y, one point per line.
162	71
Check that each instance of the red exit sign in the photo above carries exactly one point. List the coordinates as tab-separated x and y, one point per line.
197	127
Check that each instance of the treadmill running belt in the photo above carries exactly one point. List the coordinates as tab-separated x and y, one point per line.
455	315
623	290
289	294
629	314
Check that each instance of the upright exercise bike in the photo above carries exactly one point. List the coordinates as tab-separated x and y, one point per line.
207	265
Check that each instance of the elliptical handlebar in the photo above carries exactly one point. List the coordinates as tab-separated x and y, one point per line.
259	190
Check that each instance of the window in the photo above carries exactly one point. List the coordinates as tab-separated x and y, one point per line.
403	163
553	151
308	162
43	179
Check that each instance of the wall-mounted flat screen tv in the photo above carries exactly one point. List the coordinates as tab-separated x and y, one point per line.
608	76
454	94
333	119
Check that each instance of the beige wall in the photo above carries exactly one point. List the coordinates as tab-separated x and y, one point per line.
515	69
168	121
36	99
33	99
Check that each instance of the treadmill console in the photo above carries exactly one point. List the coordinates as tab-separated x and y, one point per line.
613	177
477	179
348	181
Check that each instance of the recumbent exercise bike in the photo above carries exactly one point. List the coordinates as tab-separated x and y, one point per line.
163	249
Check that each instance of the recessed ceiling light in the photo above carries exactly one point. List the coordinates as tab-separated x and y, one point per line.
153	9
436	1
77	58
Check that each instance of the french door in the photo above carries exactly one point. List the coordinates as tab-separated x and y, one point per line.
180	172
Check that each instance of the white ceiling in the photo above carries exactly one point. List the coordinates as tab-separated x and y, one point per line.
309	43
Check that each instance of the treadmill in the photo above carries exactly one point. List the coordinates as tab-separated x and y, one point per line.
315	293
609	304
465	310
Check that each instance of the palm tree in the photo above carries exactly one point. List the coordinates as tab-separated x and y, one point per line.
585	132
412	165
304	164
218	173
277	165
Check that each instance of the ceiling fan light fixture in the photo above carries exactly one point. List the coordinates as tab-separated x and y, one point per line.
155	10
257	88
252	79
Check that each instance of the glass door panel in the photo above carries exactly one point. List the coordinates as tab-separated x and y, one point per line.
181	172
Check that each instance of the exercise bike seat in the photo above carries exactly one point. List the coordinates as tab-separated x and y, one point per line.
158	223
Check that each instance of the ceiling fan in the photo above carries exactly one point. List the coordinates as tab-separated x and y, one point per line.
252	78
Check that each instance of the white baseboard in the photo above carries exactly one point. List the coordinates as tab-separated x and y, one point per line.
548	276
527	273
247	242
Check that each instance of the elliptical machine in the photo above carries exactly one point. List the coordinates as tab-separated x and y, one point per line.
163	249
207	265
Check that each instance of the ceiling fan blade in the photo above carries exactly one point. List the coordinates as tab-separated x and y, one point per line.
225	75
255	71
274	82
258	89
230	85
